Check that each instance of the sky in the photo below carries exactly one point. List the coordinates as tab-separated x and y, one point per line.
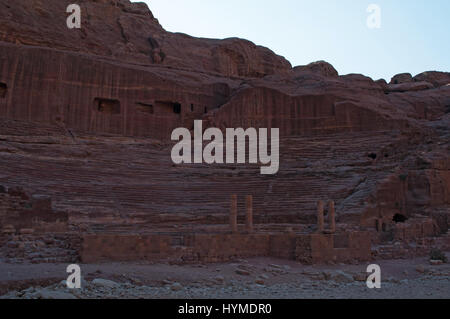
413	36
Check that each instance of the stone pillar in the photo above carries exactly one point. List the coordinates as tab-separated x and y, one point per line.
249	215
320	218
233	214
332	216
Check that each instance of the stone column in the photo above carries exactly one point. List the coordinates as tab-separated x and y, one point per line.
320	218
233	214
249	215
332	216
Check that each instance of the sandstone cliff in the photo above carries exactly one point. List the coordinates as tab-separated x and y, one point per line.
86	115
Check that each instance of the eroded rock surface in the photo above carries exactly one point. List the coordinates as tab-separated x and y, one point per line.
86	117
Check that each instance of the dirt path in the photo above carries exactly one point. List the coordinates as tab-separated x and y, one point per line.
253	278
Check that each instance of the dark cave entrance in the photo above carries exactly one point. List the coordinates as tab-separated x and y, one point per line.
177	108
107	106
399	218
166	107
3	89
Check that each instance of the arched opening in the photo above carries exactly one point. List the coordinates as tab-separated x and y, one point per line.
399	218
107	106
373	156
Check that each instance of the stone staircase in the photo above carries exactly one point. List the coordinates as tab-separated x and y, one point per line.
97	177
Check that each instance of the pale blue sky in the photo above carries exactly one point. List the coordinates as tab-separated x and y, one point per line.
414	34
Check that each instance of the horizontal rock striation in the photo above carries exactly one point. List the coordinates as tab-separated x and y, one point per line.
86	117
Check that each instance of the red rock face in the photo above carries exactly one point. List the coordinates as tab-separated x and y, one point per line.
86	117
128	32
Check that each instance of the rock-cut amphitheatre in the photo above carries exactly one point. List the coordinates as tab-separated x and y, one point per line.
86	117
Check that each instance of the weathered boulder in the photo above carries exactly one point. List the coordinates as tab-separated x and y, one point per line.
104	283
438	79
320	67
402	78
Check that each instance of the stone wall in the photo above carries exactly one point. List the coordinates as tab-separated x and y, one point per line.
342	247
315	248
21	213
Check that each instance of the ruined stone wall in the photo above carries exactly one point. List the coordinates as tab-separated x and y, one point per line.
40	248
415	230
21	213
315	248
105	247
341	247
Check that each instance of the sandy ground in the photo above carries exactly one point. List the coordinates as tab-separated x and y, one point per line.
259	278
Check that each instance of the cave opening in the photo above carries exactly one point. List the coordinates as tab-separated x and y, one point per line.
373	156
166	107
399	218
145	108
107	106
177	108
3	89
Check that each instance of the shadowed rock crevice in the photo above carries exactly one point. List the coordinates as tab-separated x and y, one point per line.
3	89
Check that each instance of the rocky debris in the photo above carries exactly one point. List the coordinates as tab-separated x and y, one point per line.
242	272
436	262
167	282
423	287
220	279
360	277
421	269
44	293
326	275
105	283
40	248
176	286
49	294
260	281
342	277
